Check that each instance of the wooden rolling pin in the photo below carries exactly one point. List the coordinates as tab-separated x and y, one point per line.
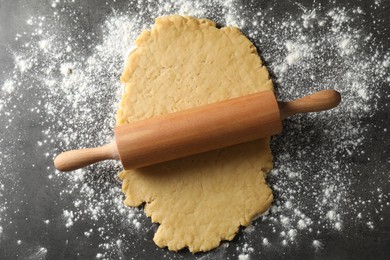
163	138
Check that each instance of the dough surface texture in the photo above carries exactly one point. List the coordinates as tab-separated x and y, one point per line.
183	62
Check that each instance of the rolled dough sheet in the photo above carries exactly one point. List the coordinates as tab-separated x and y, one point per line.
200	200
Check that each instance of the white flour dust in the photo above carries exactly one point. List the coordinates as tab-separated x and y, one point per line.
73	76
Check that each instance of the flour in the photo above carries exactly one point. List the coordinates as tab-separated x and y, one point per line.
249	229
245	252
8	87
331	215
243	257
315	184
337	226
317	244
292	234
301	224
40	253
68	217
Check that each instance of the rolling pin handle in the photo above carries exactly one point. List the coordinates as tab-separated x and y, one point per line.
319	101
75	159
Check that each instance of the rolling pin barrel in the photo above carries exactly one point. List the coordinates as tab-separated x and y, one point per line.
198	130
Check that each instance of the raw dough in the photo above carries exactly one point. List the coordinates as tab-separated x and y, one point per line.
199	200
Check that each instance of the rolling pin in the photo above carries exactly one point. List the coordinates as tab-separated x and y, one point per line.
167	137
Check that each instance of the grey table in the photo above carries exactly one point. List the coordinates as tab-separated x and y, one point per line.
29	198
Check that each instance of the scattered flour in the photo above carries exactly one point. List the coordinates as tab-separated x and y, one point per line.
317	244
246	250
75	81
68	217
8	87
39	253
301	224
249	229
331	215
243	256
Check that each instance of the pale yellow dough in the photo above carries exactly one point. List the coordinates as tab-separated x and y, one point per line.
200	200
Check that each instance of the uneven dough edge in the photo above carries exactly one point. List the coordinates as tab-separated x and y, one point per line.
135	184
201	246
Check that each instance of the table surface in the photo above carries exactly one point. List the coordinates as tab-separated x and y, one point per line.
38	215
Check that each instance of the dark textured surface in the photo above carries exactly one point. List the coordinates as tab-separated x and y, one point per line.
40	201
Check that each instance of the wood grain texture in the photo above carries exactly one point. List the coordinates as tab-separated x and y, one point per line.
75	159
197	130
319	101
